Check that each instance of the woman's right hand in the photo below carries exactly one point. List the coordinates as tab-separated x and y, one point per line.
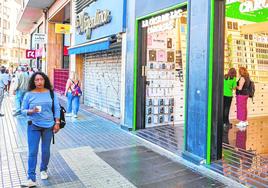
32	111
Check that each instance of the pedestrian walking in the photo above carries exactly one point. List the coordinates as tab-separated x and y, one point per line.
9	80
229	87
3	84
73	93
42	123
20	87
242	97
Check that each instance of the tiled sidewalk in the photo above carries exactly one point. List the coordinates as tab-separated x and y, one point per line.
76	158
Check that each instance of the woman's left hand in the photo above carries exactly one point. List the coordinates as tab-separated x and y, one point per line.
56	128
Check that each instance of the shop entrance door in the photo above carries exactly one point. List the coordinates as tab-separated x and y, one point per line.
162	67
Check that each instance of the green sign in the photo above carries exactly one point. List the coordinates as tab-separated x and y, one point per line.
246	11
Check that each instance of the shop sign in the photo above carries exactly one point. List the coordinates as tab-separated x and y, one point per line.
63	28
162	18
248	10
39	38
30	54
99	19
65	50
85	23
39	52
250	6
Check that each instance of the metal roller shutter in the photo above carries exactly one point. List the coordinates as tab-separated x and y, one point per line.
102	74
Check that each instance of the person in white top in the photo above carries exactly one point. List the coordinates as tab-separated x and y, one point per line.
3	84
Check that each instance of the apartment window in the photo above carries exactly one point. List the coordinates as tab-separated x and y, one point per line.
25	41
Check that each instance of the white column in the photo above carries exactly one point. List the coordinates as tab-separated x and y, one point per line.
72	66
123	77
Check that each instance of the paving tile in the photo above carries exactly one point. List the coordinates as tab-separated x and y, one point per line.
74	162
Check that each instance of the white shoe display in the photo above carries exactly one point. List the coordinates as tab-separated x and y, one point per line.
44	175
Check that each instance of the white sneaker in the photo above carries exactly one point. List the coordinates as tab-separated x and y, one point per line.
29	183
75	116
44	175
240	124
68	114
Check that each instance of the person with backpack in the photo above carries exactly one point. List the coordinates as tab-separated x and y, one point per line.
229	86
73	93
242	95
43	114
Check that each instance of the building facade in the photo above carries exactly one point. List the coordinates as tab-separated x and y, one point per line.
49	41
13	44
158	64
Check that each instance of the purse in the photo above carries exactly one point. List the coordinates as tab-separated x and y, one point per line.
76	91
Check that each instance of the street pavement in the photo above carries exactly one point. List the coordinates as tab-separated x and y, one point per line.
92	152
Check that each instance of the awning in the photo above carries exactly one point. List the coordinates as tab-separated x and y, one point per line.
93	46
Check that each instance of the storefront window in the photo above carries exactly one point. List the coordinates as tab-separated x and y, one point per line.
163	58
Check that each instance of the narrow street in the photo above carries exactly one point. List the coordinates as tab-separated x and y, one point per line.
92	152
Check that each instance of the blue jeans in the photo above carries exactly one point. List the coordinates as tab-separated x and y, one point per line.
73	103
18	99
34	135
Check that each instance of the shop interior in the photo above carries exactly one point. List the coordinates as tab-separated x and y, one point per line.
245	148
162	67
163	53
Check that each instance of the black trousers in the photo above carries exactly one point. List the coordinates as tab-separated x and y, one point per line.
227	101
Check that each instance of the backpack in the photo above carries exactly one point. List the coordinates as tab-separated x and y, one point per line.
62	114
76	90
251	89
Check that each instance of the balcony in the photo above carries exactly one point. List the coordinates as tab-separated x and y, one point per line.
31	12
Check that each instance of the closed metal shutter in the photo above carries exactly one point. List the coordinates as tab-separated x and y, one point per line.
102	74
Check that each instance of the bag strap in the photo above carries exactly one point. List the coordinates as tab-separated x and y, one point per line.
76	84
53	111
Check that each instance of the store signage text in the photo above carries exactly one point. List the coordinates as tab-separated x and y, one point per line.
30	54
162	18
250	5
39	38
161	27
85	23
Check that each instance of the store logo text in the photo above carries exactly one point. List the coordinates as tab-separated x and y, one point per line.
162	18
250	5
85	23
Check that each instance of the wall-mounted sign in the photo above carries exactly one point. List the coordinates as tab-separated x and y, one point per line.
62	28
249	10
39	52
99	19
30	54
85	23
39	38
162	18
